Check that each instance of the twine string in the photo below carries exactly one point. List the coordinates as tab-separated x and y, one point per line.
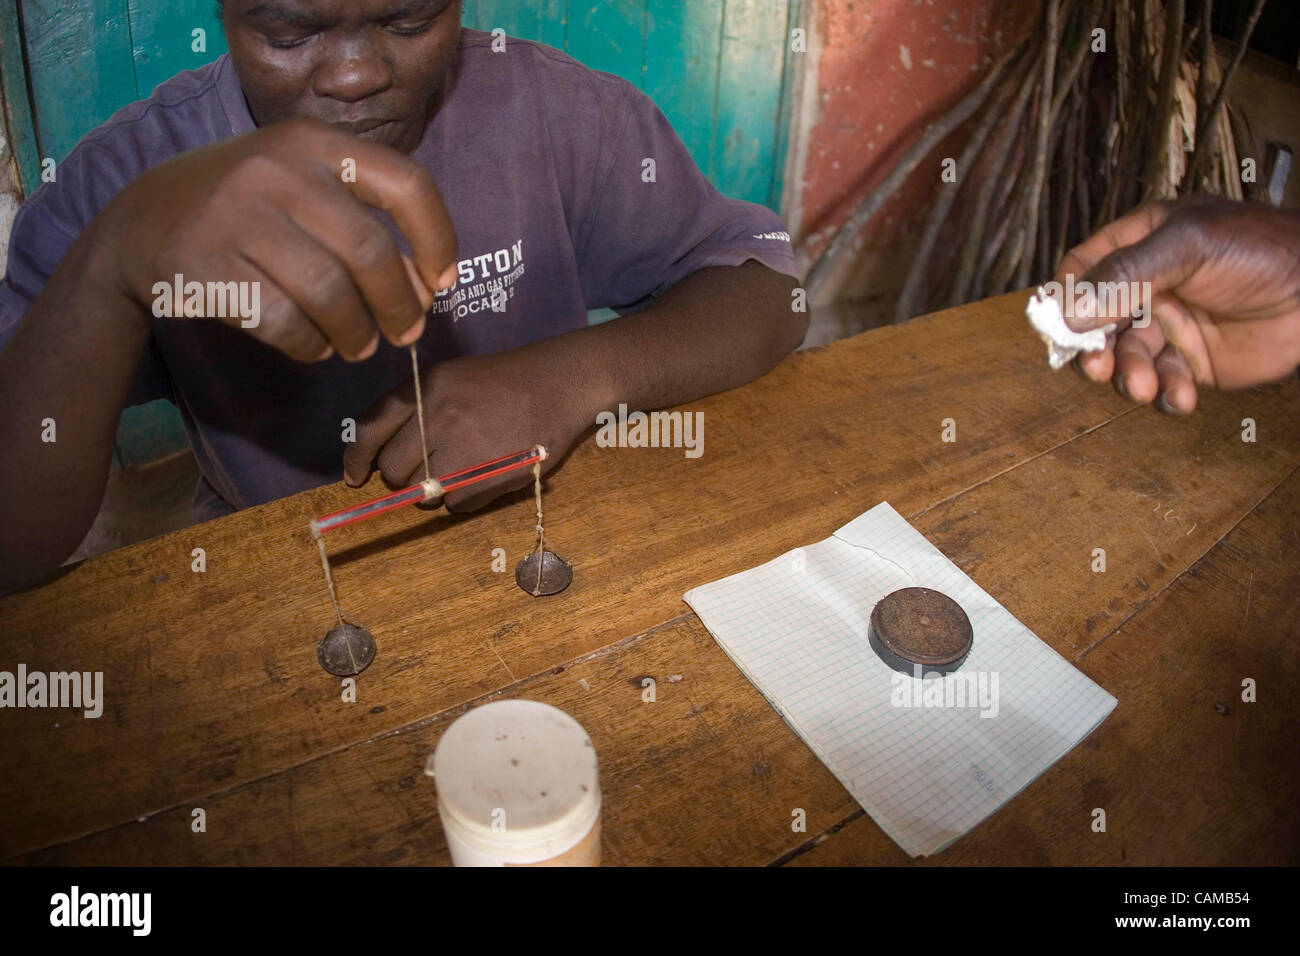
329	577
540	547
419	412
428	485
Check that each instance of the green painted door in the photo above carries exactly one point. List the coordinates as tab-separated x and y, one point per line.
719	69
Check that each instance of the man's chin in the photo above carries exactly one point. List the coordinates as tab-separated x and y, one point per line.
400	136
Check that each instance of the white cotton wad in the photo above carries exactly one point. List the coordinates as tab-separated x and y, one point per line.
1063	343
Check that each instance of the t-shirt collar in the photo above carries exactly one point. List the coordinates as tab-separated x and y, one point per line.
232	97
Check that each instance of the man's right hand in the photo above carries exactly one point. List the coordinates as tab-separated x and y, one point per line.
1225	298
273	207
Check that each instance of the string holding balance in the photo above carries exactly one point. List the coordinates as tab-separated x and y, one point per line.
543	572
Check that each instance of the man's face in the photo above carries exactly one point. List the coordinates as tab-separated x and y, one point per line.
375	68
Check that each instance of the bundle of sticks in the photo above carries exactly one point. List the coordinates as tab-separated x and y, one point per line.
1111	103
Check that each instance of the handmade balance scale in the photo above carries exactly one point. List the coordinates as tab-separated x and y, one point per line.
347	649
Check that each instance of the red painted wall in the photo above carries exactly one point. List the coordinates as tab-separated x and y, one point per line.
886	68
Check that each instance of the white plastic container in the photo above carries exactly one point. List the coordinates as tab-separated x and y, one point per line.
518	786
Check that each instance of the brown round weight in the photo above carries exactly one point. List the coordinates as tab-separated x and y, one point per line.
346	650
920	628
544	574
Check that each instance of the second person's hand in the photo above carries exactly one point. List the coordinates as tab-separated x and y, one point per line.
1225	298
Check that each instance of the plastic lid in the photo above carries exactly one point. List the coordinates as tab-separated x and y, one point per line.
517	772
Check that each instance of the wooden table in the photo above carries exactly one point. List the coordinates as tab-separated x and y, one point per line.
215	700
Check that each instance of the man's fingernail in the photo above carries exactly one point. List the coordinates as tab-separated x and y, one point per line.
328	353
1122	387
1162	402
414	332
370	349
447	279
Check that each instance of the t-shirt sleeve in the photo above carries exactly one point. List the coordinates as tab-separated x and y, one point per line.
45	228
652	224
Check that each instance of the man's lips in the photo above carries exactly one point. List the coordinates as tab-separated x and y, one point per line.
361	127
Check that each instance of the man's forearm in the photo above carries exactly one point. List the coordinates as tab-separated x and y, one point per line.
63	380
717	329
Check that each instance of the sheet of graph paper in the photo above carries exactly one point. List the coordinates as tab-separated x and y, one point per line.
927	758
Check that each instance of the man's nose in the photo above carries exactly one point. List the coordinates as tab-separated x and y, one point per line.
352	71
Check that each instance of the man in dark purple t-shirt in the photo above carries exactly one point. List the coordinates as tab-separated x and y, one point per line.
375	175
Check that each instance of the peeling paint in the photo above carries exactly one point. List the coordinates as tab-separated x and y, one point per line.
871	105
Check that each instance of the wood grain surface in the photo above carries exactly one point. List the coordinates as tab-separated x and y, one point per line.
214	697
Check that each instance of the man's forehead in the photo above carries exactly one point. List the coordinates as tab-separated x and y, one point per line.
333	10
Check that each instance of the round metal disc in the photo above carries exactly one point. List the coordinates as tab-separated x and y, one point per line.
919	627
556	574
346	650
